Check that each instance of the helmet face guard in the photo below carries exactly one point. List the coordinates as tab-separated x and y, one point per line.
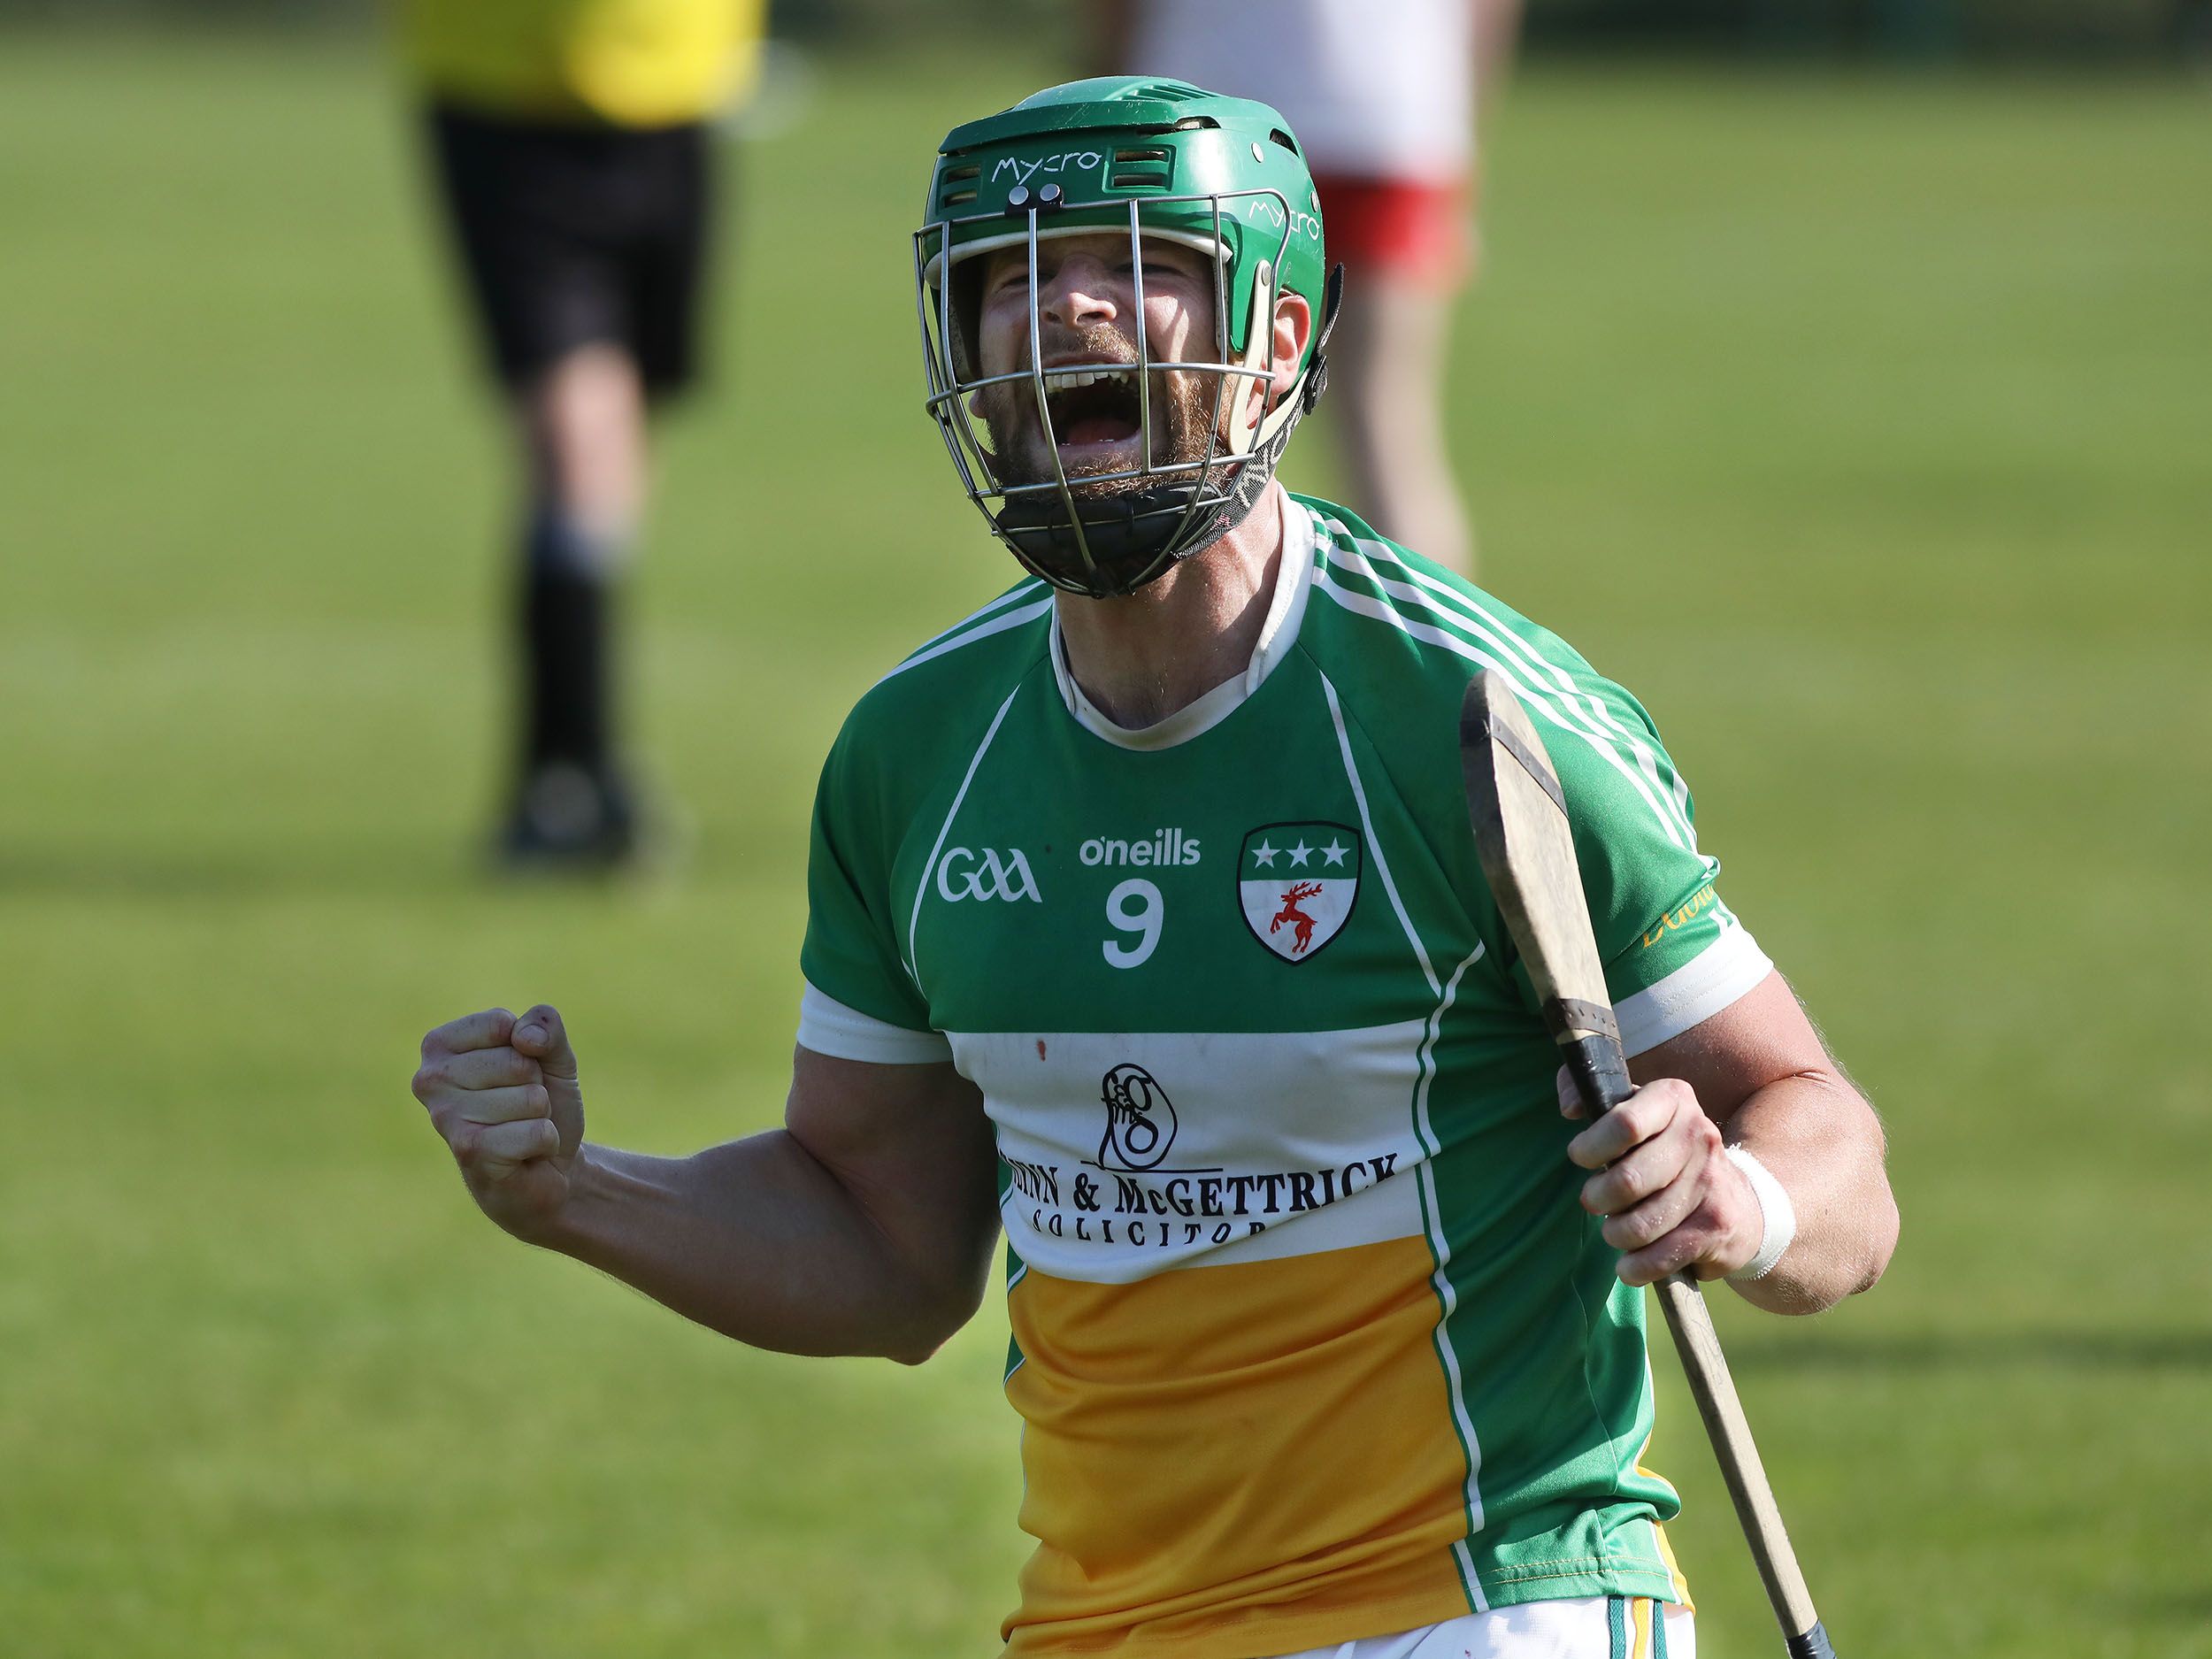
1122	142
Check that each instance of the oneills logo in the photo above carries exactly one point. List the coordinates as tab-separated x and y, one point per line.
1162	847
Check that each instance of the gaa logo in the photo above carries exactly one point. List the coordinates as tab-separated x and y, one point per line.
963	873
1140	1119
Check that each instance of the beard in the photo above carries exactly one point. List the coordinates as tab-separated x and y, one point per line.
1181	407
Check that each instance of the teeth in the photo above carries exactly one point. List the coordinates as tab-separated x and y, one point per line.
1069	379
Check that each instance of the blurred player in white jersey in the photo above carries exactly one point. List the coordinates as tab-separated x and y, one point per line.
1383	94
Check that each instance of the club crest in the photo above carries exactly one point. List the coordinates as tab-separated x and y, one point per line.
1296	883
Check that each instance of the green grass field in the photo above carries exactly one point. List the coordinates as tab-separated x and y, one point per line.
1859	424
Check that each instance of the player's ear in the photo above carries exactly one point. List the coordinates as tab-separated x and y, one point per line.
1293	327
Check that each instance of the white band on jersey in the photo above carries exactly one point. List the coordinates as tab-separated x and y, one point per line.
827	1027
1778	1217
1727	969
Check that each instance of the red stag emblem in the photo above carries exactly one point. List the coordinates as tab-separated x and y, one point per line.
1290	912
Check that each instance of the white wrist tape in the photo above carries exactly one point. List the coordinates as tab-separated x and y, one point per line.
1778	1217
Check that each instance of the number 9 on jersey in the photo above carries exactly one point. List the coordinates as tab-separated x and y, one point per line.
1134	908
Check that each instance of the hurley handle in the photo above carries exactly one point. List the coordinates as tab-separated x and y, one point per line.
1598	1069
1600	1073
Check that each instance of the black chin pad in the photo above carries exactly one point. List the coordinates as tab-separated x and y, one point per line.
1126	534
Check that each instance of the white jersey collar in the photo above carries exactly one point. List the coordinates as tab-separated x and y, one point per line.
1285	610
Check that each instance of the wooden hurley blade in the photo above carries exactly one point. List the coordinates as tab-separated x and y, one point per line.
1519	816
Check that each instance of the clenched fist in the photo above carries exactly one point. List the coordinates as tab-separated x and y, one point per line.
502	1092
1671	1197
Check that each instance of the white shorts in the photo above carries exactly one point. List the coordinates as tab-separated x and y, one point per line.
1590	1628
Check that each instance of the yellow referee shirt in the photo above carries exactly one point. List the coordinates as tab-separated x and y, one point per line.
634	63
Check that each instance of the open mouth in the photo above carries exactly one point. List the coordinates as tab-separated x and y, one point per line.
1092	404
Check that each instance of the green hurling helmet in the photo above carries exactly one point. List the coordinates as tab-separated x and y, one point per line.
1152	161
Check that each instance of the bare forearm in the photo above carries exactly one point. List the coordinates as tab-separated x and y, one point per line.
759	1240
1825	1145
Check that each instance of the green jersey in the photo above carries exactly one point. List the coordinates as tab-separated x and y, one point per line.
1312	1336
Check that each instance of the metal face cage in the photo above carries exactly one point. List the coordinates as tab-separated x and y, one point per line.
1161	508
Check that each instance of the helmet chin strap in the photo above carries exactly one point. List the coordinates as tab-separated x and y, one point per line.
1136	536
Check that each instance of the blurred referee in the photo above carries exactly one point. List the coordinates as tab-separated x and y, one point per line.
570	144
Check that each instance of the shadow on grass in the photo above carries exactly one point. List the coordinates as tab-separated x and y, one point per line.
694	849
139	872
405	867
2009	1351
439	871
2191	1609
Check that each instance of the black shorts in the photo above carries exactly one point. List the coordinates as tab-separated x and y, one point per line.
574	236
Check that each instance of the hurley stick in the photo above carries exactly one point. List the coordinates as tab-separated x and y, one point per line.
1519	816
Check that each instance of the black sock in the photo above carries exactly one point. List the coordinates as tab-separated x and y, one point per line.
567	678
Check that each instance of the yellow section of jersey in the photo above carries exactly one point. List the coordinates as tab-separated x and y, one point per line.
634	63
1271	1439
1674	1568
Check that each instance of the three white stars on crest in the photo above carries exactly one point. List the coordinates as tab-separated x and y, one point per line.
1332	854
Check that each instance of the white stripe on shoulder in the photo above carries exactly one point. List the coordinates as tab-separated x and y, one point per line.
1453	602
1589	709
1020	593
1514	671
828	1026
1731	967
976	627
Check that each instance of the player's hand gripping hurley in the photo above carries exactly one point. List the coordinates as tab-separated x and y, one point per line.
1527	850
